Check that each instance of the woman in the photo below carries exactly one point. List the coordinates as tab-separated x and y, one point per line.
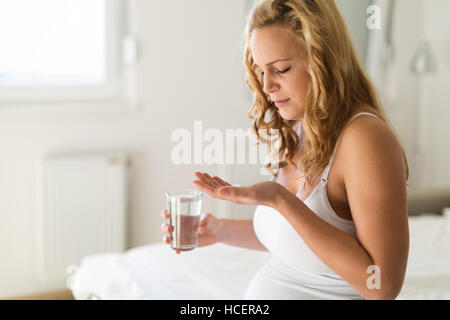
334	216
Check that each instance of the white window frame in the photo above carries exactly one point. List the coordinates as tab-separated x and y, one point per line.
118	89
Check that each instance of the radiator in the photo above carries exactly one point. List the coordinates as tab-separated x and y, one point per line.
81	209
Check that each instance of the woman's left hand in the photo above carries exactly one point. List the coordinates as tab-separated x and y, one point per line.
262	193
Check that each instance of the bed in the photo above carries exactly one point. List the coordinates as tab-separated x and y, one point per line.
223	272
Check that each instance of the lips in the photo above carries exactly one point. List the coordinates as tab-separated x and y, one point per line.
281	102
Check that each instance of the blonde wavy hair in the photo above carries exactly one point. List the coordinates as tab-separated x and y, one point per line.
339	86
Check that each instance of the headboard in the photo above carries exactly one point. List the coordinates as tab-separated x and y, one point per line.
431	201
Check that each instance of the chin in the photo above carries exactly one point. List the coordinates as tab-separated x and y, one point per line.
286	115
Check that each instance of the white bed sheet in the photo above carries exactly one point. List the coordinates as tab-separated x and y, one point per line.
156	272
428	271
224	272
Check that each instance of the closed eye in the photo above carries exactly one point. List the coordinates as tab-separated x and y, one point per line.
278	71
284	71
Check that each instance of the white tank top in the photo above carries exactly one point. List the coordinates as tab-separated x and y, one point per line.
292	270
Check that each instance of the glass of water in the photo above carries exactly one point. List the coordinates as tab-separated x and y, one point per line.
184	207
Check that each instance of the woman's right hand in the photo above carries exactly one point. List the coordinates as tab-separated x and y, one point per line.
210	229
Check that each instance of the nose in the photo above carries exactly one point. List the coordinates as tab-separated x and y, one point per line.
270	85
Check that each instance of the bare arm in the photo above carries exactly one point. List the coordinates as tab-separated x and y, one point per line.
240	233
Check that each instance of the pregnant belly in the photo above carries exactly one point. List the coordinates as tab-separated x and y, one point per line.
284	243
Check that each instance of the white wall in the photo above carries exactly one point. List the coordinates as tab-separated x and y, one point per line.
403	93
190	68
355	16
435	98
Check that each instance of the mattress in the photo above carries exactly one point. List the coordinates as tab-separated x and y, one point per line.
223	272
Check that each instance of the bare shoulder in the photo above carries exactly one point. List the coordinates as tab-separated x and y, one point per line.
368	135
372	153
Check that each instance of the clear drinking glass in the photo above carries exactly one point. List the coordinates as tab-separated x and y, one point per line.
184	207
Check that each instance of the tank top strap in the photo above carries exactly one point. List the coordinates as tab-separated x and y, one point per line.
326	171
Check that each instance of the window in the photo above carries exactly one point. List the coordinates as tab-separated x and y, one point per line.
62	50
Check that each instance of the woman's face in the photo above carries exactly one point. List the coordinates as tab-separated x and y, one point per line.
281	63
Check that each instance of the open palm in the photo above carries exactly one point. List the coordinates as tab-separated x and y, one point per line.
263	193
